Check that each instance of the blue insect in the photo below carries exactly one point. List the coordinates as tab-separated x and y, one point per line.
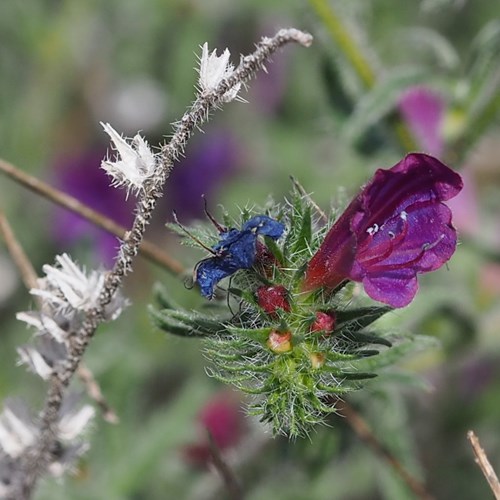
235	250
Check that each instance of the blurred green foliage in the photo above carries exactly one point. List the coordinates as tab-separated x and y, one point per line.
63	66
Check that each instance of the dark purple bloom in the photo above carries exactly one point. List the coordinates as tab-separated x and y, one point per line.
81	176
394	229
235	250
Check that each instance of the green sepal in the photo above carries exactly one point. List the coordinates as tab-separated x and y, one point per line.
242	294
304	236
366	338
357	319
259	334
275	250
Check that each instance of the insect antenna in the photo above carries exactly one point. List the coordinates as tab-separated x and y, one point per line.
192	236
219	227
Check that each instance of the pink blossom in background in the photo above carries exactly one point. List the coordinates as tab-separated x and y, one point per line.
223	417
423	111
465	206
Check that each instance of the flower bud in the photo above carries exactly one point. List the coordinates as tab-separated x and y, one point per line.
324	322
317	360
271	298
280	342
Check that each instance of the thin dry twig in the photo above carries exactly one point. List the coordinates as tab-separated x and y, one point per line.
227	474
26	269
484	464
149	250
29	278
363	431
93	389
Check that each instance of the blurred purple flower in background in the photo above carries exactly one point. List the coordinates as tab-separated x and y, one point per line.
222	416
80	175
211	161
268	91
423	110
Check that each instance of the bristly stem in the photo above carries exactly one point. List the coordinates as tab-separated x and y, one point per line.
345	42
35	463
227	474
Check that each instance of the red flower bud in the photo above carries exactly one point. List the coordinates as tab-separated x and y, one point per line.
324	322
279	342
271	298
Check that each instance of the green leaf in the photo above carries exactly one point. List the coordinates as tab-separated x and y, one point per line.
410	345
163	298
365	338
382	99
259	334
432	41
357	319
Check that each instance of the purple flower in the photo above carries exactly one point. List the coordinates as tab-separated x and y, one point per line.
394	229
81	176
423	111
207	165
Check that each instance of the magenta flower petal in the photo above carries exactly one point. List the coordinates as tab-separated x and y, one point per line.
396	288
396	228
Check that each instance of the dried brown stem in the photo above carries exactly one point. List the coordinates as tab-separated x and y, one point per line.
484	464
29	278
363	431
26	269
94	391
149	250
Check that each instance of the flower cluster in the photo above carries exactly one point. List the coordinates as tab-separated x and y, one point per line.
296	339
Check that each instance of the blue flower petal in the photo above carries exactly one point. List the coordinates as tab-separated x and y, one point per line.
235	250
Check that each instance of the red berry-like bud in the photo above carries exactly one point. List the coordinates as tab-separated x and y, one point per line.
279	342
271	298
324	322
